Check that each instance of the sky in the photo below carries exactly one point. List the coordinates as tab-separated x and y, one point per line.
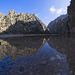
45	10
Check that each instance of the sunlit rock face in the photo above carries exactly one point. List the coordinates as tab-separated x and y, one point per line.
71	13
15	47
66	46
21	23
59	25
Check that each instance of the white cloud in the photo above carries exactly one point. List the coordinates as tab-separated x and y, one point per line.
57	11
52	9
60	11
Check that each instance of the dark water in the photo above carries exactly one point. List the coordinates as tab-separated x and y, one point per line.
54	55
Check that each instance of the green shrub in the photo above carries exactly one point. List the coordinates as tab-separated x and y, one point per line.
5	17
15	15
25	21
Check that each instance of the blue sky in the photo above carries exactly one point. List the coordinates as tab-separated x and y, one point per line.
46	10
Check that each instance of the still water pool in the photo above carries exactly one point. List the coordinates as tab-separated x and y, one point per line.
54	55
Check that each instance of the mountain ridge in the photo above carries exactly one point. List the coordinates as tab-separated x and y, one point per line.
21	23
59	25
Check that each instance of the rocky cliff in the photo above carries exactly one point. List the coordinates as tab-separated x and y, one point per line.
59	25
21	23
65	23
71	13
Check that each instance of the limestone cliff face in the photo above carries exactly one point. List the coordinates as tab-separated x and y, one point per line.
59	25
21	23
71	13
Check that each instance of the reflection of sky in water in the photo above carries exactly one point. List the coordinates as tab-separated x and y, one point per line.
46	62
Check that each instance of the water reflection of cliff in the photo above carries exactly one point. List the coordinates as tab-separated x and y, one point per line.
65	45
21	46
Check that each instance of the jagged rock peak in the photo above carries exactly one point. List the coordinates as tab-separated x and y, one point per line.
12	12
22	23
1	15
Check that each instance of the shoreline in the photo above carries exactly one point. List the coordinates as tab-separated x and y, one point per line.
21	35
27	35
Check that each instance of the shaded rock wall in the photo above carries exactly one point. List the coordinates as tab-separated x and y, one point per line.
59	25
71	14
